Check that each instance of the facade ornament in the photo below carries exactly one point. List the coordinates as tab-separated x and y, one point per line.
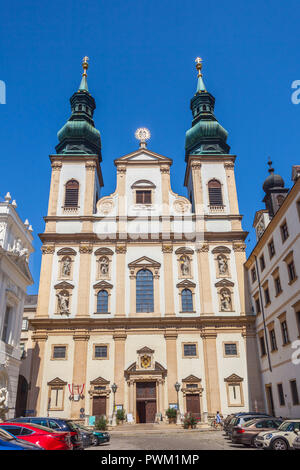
239	247
121	170
3	403
56	166
225	298
165	169
48	250
196	166
63	302
84	249
90	165
104	265
222	264
121	249
203	249
66	267
167	249
105	205
185	265
229	166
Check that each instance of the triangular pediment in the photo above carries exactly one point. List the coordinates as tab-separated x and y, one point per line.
191	378
186	283
224	283
233	378
63	285
145	350
99	381
144	261
103	285
143	155
57	382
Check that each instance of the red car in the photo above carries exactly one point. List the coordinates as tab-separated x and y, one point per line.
40	435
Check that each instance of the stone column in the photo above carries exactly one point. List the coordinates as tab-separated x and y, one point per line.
119	361
171	346
165	187
36	392
240	259
80	338
168	280
84	282
211	371
89	195
45	281
121	275
53	195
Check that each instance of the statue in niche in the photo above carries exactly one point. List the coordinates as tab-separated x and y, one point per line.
222	264
226	304
3	403
63	302
66	267
185	265
104	265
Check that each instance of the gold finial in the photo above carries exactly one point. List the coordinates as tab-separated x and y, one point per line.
85	65
198	61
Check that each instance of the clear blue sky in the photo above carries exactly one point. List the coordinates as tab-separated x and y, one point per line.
142	74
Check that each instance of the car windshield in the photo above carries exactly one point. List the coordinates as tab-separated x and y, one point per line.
80	426
289	426
249	423
5	436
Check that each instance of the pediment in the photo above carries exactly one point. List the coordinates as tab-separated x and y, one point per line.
145	350
104	251
143	155
144	261
186	283
233	378
66	251
103	285
191	378
99	381
57	382
221	249
63	285
184	250
224	283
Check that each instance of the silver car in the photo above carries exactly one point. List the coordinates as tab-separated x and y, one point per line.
296	443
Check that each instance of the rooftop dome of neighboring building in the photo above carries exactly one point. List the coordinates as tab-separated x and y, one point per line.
272	181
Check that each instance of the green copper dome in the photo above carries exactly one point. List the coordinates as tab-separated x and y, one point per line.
206	136
79	135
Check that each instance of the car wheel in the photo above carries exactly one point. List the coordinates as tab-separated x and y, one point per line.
279	444
95	441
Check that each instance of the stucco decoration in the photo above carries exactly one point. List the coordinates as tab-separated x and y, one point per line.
105	205
3	403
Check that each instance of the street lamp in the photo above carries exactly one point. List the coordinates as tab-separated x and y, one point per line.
114	389
177	388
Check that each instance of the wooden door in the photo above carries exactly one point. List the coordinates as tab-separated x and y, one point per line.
193	405
150	411
99	406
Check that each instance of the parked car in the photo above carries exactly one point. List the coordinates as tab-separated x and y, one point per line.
98	437
247	433
58	424
10	442
41	436
241	420
281	439
86	434
296	443
235	415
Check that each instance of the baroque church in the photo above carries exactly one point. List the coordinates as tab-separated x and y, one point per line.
142	296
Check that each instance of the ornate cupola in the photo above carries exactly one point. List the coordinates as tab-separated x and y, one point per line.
79	135
275	191
206	136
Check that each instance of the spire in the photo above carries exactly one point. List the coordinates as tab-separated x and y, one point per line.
79	135
206	136
200	83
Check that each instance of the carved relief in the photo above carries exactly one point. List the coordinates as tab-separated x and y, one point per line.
225	295
63	295
105	205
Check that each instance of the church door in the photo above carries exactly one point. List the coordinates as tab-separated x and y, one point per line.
193	405
146	402
99	405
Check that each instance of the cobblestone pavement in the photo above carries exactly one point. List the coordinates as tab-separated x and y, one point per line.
205	440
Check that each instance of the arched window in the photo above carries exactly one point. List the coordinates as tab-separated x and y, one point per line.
144	291
187	300
102	301
215	193
72	191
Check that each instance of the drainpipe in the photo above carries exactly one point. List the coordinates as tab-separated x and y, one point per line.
263	314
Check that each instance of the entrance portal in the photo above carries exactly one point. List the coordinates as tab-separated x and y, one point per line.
145	402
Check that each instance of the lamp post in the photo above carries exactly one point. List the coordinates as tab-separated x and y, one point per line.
114	417
177	388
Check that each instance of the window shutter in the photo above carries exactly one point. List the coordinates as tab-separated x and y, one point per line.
72	190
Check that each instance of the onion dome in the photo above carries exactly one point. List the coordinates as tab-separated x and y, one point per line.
206	136
273	181
79	135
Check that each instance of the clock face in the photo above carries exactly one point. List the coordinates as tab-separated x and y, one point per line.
145	362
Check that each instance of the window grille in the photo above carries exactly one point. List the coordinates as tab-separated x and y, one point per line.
144	291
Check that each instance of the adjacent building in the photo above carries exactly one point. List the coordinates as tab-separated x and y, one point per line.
141	301
15	249
274	286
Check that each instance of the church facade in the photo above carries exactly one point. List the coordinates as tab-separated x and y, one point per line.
141	302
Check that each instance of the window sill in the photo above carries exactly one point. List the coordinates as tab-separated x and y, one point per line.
278	294
286	344
185	312
102	313
293	280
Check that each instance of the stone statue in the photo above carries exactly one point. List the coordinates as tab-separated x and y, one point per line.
3	403
222	264
63	302
185	265
104	265
66	268
226	304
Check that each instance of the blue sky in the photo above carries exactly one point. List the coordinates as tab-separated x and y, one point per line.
142	74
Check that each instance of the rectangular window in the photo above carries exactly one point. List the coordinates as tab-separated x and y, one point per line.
59	352
267	296
101	351
230	349
294	390
143	197
271	247
291	271
5	332
189	350
257	306
262	346
284	231
298	320
262	262
273	340
25	324
277	283
285	333
56	398
280	395
253	274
